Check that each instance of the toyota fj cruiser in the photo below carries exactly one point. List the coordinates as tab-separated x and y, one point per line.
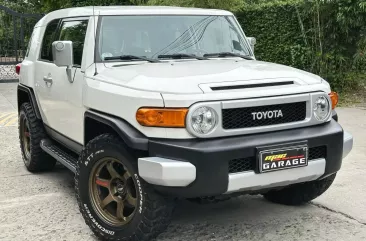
149	104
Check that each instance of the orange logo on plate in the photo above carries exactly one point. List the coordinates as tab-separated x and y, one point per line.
275	157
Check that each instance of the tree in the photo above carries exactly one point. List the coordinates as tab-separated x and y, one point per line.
50	5
231	5
22	6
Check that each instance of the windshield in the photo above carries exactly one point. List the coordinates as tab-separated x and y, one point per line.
155	36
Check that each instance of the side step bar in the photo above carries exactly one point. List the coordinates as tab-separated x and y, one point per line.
60	155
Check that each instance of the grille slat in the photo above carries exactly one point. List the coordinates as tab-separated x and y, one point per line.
242	117
249	163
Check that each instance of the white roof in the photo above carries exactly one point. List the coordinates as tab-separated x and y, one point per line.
128	10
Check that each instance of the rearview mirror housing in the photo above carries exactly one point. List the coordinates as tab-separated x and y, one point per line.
63	53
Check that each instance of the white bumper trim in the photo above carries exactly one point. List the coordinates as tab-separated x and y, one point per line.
347	143
166	172
251	181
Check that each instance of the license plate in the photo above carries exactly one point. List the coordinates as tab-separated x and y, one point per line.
284	158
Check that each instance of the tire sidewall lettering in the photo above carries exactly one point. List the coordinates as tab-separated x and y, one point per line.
96	223
91	156
139	190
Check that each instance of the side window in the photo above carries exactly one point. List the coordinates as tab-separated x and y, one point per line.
48	38
75	31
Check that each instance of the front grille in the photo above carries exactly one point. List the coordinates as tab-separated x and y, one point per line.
249	163
317	152
242	165
243	118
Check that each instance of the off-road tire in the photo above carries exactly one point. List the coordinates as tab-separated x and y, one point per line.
301	193
38	160
154	211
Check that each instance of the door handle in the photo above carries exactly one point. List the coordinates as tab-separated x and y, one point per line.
48	80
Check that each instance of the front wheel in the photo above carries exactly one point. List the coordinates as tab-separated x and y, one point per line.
300	193
114	201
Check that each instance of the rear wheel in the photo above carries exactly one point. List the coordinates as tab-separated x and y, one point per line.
301	193
31	132
114	201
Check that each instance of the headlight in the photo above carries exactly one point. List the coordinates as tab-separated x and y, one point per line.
321	108
203	120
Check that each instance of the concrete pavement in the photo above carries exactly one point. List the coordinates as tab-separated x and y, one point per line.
43	206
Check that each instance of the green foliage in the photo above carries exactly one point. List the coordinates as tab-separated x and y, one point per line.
50	5
21	6
231	5
325	37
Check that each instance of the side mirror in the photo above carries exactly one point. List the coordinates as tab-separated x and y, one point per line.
252	41
63	53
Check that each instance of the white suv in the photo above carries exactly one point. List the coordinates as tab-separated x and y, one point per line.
149	104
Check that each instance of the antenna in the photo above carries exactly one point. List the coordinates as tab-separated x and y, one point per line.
95	44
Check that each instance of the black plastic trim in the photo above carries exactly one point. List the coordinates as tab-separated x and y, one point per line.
32	98
57	153
211	157
63	140
334	115
233	87
132	137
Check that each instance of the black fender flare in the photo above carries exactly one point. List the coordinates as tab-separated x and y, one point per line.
29	91
133	138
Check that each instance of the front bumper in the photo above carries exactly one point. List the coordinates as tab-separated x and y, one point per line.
193	168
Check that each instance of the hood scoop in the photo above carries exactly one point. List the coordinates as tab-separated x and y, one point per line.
249	86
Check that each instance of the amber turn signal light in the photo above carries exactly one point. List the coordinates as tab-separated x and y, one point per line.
334	98
161	117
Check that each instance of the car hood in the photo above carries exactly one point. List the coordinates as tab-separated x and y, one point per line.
188	76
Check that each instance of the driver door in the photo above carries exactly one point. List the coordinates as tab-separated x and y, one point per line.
61	97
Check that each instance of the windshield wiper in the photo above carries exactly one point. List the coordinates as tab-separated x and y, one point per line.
179	56
226	54
132	57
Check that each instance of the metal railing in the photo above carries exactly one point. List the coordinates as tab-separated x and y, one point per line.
15	32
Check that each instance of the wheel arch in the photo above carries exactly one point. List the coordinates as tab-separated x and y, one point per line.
26	94
96	123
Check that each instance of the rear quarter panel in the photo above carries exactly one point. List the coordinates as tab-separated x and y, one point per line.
27	70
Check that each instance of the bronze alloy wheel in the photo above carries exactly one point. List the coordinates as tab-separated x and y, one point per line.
25	138
116	203
112	192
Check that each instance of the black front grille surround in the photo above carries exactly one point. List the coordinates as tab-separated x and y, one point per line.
243	118
249	163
